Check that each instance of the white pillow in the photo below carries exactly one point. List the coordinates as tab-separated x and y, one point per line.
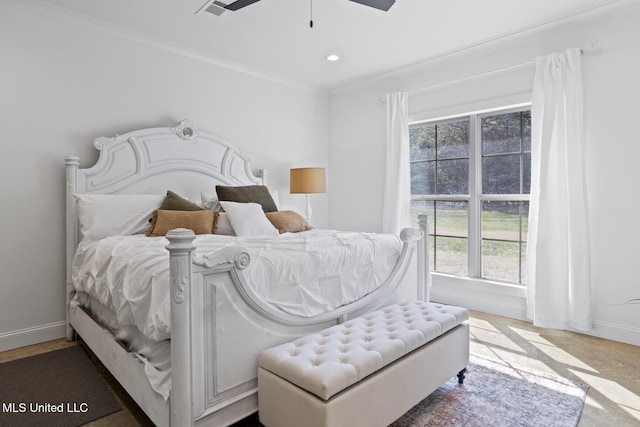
210	201
223	225
103	215
248	219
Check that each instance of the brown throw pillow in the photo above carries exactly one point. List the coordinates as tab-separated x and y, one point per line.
201	222
288	221
247	194
175	202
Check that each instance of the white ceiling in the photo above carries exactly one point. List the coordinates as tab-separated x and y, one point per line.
273	37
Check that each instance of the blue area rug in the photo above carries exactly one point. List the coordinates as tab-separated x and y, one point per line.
496	395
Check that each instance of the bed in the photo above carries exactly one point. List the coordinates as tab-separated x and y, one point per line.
220	309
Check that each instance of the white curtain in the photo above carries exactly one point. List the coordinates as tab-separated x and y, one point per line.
396	209
558	260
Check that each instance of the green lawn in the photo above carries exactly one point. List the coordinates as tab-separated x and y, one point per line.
501	249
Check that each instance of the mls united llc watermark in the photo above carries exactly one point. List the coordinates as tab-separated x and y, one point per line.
34	407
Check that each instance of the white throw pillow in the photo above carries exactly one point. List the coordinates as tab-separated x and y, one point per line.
103	215
248	219
210	201
223	225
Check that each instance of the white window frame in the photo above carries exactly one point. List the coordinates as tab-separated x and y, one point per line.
475	198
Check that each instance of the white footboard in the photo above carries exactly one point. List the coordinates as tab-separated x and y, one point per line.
219	326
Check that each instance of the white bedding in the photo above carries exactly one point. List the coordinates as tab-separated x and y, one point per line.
304	274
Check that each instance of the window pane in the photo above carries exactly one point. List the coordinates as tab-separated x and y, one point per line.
422	141
526	173
422	207
423	178
524	211
500	260
501	174
451	255
523	257
526	130
504	224
453	139
453	177
501	133
501	220
452	219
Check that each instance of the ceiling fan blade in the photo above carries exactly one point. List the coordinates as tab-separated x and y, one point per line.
239	4
378	4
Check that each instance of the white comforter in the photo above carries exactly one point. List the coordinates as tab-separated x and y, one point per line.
304	274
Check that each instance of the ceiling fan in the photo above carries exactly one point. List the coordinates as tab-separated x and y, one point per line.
217	7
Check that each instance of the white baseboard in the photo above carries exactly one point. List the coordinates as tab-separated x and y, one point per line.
34	335
510	301
615	332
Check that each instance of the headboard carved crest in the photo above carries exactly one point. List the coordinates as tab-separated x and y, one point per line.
185	130
103	142
153	160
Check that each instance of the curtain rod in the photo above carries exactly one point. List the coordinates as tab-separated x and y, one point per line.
592	48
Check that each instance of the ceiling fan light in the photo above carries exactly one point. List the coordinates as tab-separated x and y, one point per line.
332	57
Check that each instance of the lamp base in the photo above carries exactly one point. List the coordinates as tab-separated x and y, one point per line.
307	211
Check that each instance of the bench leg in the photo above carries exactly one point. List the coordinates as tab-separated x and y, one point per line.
460	376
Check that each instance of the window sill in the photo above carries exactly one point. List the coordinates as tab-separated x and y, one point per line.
488	296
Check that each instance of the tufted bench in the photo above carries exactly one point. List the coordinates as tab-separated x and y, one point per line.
367	371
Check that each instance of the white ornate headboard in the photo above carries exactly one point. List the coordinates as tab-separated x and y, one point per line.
140	162
152	161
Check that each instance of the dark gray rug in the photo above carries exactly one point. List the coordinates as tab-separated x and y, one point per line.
59	388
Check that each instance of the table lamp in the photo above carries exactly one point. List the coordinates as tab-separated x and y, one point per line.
307	181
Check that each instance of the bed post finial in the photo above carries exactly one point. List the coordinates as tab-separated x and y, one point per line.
262	173
180	249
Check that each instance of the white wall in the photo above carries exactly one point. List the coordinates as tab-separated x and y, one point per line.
357	134
64	83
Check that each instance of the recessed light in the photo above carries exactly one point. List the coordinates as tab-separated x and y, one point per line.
332	57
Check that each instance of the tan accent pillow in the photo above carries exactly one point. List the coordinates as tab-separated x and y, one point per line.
201	222
288	221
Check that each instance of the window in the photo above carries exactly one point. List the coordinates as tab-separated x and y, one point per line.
471	175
